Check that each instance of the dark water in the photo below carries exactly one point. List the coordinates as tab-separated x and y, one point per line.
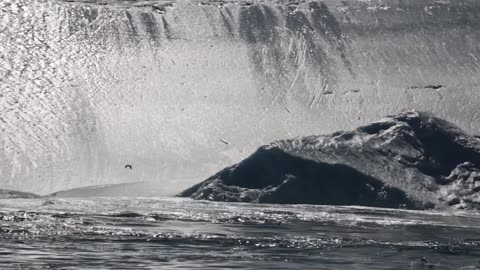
172	233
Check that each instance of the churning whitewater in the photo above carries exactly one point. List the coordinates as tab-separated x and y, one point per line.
178	233
412	160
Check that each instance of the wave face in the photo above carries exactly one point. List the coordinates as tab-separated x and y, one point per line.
412	160
181	89
11	194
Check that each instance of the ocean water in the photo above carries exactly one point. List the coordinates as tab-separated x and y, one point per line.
89	86
180	89
178	233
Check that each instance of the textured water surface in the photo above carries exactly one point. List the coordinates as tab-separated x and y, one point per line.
174	233
182	89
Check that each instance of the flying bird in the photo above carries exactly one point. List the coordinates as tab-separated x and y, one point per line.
224	141
128	166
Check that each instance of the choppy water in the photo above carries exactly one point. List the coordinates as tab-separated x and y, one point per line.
174	233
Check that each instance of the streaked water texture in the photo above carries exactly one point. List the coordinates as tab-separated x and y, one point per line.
181	89
175	233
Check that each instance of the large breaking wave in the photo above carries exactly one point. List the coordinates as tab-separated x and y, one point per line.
180	89
411	160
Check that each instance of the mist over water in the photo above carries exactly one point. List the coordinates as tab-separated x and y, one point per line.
181	89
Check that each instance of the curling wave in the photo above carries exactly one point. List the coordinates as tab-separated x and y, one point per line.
411	160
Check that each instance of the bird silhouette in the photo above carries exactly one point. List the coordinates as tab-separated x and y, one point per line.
128	166
224	141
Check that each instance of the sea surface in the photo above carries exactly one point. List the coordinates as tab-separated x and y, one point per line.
179	233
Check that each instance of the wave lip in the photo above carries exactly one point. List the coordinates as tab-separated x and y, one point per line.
12	194
411	160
